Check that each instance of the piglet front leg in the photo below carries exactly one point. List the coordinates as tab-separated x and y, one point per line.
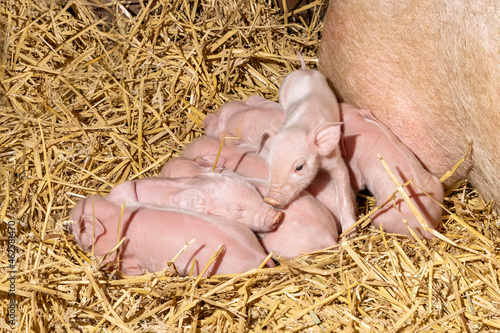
345	198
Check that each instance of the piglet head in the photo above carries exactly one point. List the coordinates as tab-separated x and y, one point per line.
294	160
240	201
292	166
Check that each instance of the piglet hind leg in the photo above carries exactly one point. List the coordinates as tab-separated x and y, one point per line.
391	219
391	216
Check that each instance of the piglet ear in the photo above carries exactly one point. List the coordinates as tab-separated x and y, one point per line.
209	161
191	199
210	124
266	135
254	100
325	137
84	228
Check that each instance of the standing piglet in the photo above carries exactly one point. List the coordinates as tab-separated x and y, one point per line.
366	138
155	236
251	121
307	141
210	193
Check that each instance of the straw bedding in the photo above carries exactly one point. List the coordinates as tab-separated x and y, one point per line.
90	101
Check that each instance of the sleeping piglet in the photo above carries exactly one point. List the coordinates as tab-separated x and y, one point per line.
211	193
155	236
307	141
250	121
365	138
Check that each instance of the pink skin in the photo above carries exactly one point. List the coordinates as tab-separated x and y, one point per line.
209	193
172	229
307	141
365	138
240	159
307	226
251	121
305	216
247	164
429	71
184	167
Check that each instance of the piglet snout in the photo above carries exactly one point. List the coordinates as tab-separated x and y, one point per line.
273	202
269	219
278	217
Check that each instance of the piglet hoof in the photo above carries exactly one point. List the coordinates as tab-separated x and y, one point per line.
350	234
273	202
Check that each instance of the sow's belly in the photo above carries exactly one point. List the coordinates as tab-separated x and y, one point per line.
430	71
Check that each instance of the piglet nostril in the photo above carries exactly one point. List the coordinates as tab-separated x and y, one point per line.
277	220
273	202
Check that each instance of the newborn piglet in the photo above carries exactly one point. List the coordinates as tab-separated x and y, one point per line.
366	138
210	193
307	142
155	236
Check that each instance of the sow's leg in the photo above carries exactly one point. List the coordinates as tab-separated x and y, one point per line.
430	71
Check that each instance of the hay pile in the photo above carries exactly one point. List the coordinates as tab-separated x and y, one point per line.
89	102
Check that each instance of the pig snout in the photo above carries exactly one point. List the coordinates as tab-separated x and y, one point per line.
279	197
268	219
273	202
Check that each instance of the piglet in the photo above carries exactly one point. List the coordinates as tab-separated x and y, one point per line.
210	193
365	138
251	121
308	141
155	236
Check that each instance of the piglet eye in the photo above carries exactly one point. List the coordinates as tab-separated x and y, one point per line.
299	167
